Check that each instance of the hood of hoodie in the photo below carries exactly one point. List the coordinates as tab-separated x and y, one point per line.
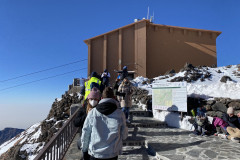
107	106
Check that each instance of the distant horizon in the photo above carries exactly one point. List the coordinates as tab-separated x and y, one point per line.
36	35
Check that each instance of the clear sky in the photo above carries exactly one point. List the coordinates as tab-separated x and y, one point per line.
40	34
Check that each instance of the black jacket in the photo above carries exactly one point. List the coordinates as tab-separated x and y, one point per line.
81	116
232	121
107	106
124	74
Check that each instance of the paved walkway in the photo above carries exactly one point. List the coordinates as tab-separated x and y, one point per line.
150	139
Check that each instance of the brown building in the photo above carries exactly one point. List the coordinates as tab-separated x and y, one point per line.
151	49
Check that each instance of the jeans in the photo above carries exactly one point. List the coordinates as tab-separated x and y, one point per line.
86	156
126	111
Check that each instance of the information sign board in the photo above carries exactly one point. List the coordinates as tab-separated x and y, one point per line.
170	96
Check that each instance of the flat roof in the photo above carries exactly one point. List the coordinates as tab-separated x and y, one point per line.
158	25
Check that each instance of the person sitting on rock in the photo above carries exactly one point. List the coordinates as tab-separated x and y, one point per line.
104	129
91	102
201	123
234	133
233	125
220	125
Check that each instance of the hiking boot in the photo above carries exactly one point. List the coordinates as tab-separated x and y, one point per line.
235	139
223	136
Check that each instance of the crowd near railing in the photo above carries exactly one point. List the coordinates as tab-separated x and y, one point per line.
57	147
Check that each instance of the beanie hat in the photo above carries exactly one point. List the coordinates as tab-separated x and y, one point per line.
94	74
125	67
94	94
230	110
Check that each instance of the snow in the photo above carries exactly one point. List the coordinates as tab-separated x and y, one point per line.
207	89
31	149
5	146
21	138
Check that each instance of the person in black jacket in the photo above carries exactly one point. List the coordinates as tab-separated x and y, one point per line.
231	119
91	101
123	73
234	125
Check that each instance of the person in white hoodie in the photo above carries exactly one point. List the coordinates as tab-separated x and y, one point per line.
104	129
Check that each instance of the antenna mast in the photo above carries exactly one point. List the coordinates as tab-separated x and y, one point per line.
148	12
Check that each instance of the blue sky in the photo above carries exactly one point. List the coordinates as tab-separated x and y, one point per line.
40	34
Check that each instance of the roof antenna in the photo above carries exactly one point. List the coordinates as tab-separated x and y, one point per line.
148	13
152	18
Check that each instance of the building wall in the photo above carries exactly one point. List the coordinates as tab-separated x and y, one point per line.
151	49
140	49
96	58
128	43
170	48
112	53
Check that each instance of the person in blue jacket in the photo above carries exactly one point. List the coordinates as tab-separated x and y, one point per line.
104	129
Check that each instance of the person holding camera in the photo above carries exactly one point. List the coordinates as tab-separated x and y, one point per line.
125	96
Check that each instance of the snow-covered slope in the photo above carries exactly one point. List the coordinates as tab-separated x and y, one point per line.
28	144
210	87
27	140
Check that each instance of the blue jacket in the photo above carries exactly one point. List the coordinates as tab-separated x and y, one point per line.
103	130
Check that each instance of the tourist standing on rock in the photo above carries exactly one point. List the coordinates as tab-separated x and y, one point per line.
105	78
94	81
125	90
91	102
104	129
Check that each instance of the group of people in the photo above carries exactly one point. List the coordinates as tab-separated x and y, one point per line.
103	116
227	127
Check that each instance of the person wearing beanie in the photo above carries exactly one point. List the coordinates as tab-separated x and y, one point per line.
91	102
230	111
233	122
93	98
123	73
104	129
94	81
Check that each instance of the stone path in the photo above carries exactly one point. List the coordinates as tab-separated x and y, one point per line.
150	139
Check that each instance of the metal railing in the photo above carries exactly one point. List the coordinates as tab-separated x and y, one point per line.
57	147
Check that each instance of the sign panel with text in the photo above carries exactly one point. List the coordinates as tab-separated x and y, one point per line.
170	96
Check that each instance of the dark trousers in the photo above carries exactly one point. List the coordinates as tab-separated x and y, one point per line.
114	158
86	156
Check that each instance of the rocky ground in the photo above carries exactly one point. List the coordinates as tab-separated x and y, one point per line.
150	139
